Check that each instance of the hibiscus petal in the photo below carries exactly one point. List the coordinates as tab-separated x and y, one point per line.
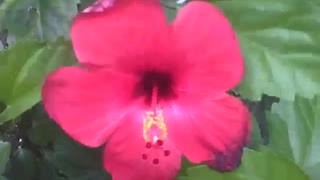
123	35
211	48
124	151
87	104
213	131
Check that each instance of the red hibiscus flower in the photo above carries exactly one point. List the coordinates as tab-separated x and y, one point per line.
152	91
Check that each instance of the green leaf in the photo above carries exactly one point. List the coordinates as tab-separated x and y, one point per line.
3	178
24	162
47	171
4	155
281	44
185	165
61	153
86	3
295	132
255	166
40	19
256	139
23	68
170	13
170	9
44	130
76	161
30	167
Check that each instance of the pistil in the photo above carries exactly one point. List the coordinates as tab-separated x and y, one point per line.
154	131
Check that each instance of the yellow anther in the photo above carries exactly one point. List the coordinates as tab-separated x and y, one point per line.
151	120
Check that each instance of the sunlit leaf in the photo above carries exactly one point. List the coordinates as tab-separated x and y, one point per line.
295	133
281	44
22	71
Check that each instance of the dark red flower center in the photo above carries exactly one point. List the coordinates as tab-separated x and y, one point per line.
150	79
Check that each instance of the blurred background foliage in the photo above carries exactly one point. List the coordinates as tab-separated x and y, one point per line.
281	45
